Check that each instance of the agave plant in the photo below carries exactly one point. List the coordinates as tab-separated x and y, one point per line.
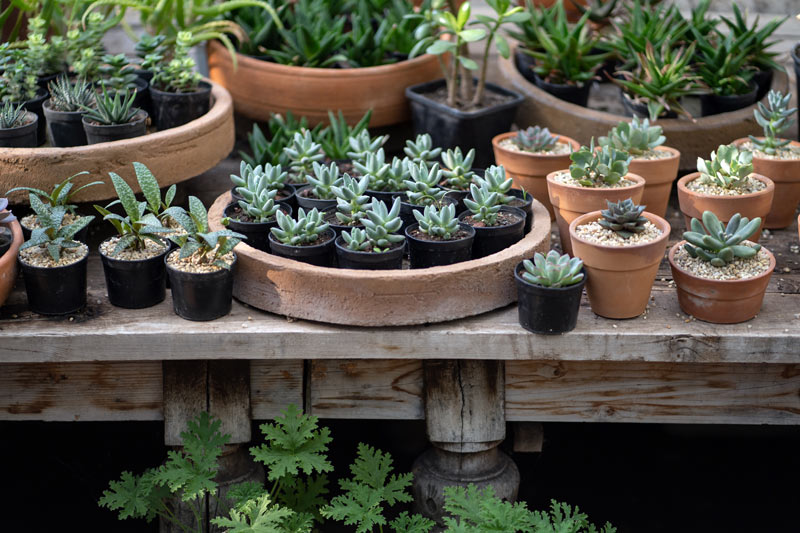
718	244
553	270
728	168
116	109
12	116
636	137
775	117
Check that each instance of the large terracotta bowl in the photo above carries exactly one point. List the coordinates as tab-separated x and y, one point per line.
8	262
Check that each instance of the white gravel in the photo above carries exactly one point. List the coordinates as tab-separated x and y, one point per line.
594	232
39	257
654	154
566	179
560	148
752	185
193	264
151	249
737	269
789	151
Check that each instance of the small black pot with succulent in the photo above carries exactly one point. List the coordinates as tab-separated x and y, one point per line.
549	290
457	175
386	180
17	126
308	238
302	153
377	246
53	263
722	63
201	269
496	226
19	81
113	118
423	190
318	194
118	75
65	109
438	238
351	204
495	180
271	177
255	215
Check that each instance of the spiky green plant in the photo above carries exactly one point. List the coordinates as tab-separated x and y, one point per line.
350	200
423	187
438	222
421	150
593	168
302	154
535	139
722	62
70	97
718	244
335	138
457	169
635	137
112	109
307	228
728	168
363	144
624	218
324	180
374	166
282	129
204	246
52	234
12	116
495	180
484	204
554	270
775	117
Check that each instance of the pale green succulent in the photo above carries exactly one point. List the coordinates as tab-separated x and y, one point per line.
623	217
718	244
303	152
356	240
324	180
393	180
307	228
362	144
270	177
728	168
484	204
495	180
436	222
423	187
775	117
553	270
421	150
635	137
380	228
535	139
374	167
350	200
260	206
592	168
457	168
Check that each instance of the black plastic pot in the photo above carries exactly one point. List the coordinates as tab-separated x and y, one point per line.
135	284
633	109
6	239
407	211
35	106
318	254
146	75
97	133
64	128
389	260
546	310
44	81
257	232
574	94
201	296
526	204
449	127
383	196
81	236
796	58
714	104
309	202
171	110
24	136
57	290
423	253
763	81
525	64
492	239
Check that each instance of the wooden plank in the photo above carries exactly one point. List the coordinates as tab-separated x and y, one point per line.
375	389
652	393
185	396
273	386
65	392
229	397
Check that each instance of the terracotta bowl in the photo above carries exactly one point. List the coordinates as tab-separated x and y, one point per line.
386	297
8	262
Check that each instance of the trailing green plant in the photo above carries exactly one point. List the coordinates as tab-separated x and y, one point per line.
728	168
722	63
421	150
307	228
457	168
62	192
363	144
351	201
380	227
12	116
758	53
53	234
374	167
535	139
335	138
254	179
198	242
324	180
117	73
438	222
484	204
109	109
593	168
553	270
177	75
623	217
636	137
719	245
303	152
775	117
70	97
423	187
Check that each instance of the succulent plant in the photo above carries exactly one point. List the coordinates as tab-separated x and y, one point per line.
61	194
281	133
423	187
421	150
117	73
484	204
70	97
437	222
554	270
592	168
774	117
178	74
52	234
302	153
494	179
623	217
362	144
535	139
261	205
270	177
324	180
393	180
374	166
380	228
335	138
635	137
728	168
718	244
356	240
457	168
149	45
152	193
11	116
116	109
350	200
306	229
204	246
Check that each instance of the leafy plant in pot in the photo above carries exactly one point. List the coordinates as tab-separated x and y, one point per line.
722	65
351	204
201	269
496	226
255	214
494	179
17	126
720	275
459	111
117	74
656	163
530	155
386	180
303	152
377	246
308	238
438	238
457	175
271	177
549	290
319	192
621	248
19	85
725	185
422	190
113	118
595	177
776	157
65	109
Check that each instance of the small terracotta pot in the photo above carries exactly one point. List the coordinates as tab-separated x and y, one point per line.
658	176
785	173
719	301
529	171
749	205
8	262
570	202
619	278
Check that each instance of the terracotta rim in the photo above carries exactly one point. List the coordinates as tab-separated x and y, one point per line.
562	139
742	140
674	265
640	181
675	155
662	224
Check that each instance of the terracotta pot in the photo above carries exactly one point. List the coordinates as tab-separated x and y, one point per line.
658	176
719	301
749	205
8	262
785	173
570	202
529	171
262	87
619	278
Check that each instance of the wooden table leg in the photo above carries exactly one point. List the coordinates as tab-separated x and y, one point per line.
465	419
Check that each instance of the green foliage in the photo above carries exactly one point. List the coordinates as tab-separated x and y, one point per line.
635	137
261	207
251	179
356	240
363	144
282	131
494	179
48	54
535	139
599	11
203	246
70	97
484	204
62	193
374	167
554	270
381	225
440	223
476	511
335	138
623	217
312	36
260	26
116	73
178	75
19	79
12	116
152	193
149	46
757	52
775	117
718	244
302	154
423	187
324	180
457	169
406	523
421	150
592	168
52	234
728	168
112	109
259	515
722	63
393	180
85	46
351	201
306	229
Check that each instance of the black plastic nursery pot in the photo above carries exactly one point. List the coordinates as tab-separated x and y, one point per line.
457	196
24	136
763	81
57	290
523	201
574	94
714	104
35	106
201	296
287	196
547	310
257	233
389	260
135	284
311	202
171	110
407	211
525	64
492	239
384	196
317	254
449	127
329	215
423	253
64	128
98	133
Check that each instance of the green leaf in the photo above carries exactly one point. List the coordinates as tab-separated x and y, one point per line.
502	46
405	523
199	214
472	35
129	202
440	47
468	63
149	186
255	516
131	496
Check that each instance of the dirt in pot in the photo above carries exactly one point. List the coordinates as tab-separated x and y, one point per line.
421	235
39	257
330	218
490	99
739	268
192	263
151	249
503	219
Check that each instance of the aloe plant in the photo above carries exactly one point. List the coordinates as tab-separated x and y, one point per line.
12	116
112	109
62	192
70	97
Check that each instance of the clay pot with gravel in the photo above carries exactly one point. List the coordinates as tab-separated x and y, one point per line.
530	155
721	276
726	185
621	248
594	178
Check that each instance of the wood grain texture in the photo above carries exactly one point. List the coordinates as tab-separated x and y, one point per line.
273	386
229	397
185	396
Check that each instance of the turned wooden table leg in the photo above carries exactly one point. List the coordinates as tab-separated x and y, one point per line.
465	419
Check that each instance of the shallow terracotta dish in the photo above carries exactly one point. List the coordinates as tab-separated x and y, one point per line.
381	297
8	262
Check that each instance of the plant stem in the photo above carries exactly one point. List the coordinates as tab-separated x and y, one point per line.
476	101
452	77
197	517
